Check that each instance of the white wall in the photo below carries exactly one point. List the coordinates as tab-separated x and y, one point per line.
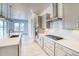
48	10
19	11
31	26
43	14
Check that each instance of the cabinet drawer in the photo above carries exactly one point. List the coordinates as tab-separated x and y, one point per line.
49	45
73	53
48	51
67	50
39	42
59	46
49	42
59	50
51	48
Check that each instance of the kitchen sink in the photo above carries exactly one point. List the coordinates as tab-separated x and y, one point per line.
54	37
13	36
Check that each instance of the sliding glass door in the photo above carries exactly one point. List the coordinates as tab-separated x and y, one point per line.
19	27
16	27
22	27
3	29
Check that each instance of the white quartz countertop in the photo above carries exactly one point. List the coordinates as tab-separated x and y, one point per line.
10	41
72	44
67	41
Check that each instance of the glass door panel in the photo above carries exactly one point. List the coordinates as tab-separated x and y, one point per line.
16	27
1	30
5	29
22	27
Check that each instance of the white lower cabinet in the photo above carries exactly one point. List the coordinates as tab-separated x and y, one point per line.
59	51
53	48
49	46
40	41
48	51
64	51
9	50
71	52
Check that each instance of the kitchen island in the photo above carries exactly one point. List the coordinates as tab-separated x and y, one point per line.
10	46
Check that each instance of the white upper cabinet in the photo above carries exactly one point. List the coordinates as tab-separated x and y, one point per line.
71	16
60	10
57	10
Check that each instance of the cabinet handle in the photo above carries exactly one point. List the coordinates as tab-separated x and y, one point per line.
54	48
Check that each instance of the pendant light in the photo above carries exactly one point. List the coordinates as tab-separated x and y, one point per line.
1	15
10	11
7	13
8	17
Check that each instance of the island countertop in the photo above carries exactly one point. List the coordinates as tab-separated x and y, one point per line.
10	41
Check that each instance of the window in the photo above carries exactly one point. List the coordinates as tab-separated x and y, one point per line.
22	27
18	27
3	29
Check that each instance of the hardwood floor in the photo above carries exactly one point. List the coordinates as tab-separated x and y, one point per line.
30	48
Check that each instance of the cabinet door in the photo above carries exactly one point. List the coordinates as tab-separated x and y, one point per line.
71	16
49	46
71	52
40	21
40	41
59	50
64	51
9	51
48	51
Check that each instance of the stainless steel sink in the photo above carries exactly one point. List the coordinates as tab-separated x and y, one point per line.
54	37
13	36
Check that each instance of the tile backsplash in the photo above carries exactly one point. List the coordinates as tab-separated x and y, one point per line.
57	28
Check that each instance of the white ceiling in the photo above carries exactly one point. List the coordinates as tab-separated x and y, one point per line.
24	8
36	7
